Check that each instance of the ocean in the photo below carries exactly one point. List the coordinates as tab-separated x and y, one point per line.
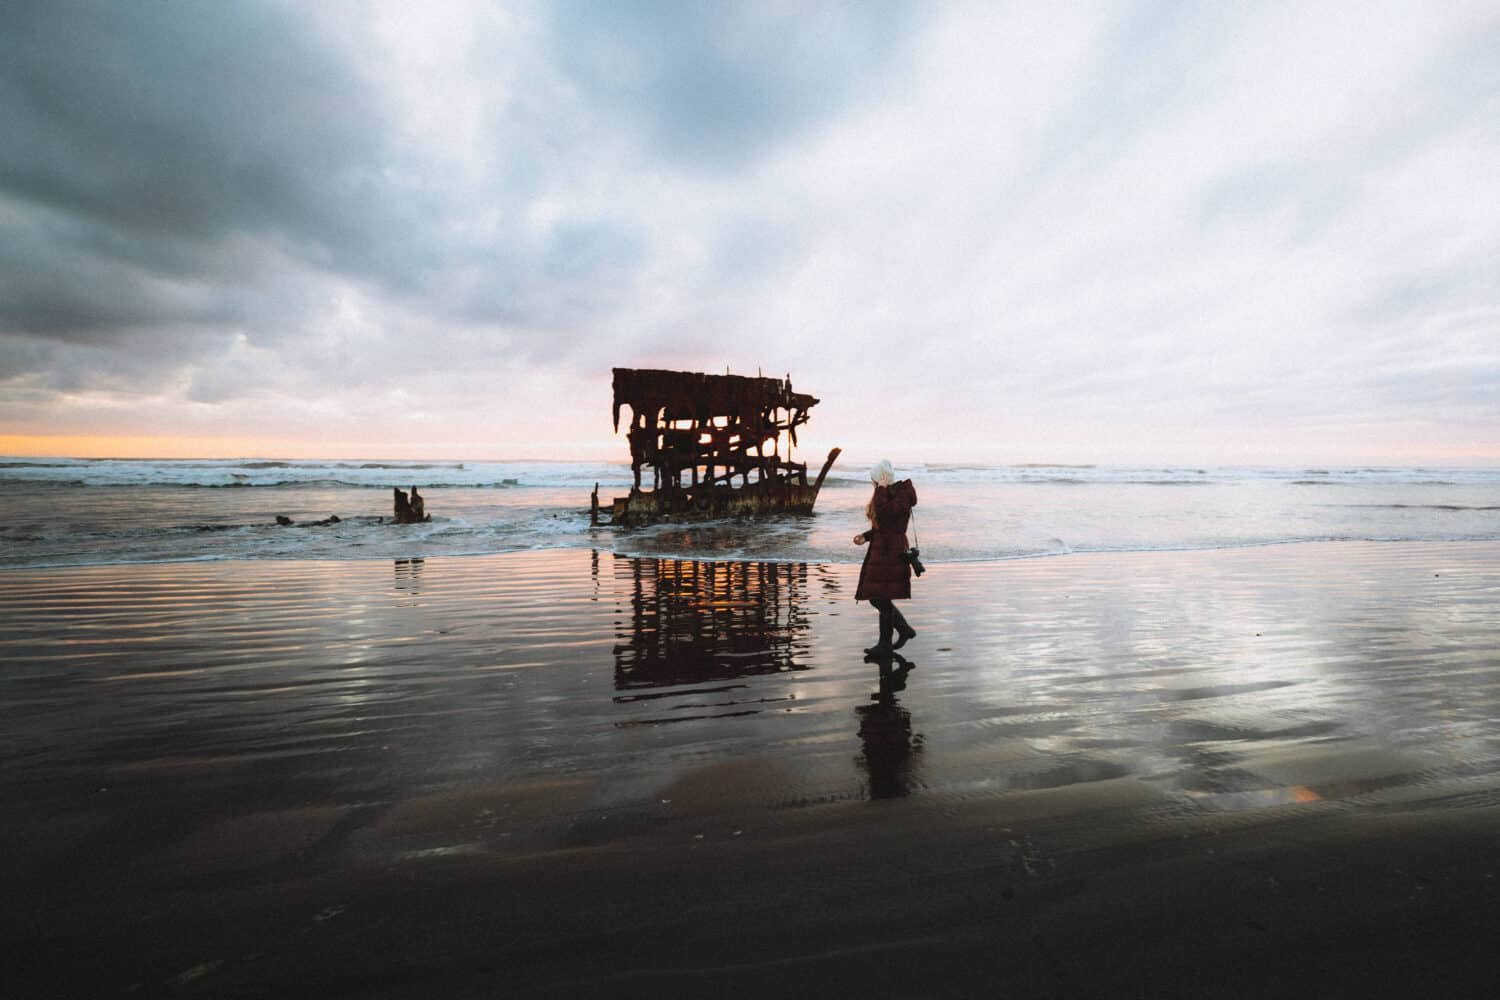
64	512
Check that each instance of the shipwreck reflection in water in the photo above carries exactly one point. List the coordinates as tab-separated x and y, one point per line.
409	577
888	748
695	621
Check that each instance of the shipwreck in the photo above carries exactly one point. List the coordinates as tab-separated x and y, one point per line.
713	446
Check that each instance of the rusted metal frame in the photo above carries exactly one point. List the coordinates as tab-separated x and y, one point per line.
728	422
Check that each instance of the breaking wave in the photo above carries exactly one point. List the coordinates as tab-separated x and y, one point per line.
277	474
74	512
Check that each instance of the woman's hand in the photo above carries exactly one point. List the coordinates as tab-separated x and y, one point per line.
860	539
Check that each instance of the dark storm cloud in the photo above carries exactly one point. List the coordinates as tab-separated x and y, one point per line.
192	166
60	282
166	163
193	120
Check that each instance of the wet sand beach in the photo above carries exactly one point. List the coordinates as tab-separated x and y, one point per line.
1250	772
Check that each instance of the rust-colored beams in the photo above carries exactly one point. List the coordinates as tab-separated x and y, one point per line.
696	396
712	444
711	428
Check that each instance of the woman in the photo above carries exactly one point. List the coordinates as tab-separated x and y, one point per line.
885	575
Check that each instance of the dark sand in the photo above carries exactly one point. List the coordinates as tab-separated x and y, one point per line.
1261	772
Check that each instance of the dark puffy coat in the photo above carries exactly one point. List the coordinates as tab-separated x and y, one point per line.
885	573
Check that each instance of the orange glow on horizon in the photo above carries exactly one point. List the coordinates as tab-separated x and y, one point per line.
148	446
607	448
131	446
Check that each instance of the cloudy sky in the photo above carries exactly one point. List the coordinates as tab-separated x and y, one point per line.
1033	232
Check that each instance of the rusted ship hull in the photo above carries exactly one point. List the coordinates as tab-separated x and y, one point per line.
713	445
641	507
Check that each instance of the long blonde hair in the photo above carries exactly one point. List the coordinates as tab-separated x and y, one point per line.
880	475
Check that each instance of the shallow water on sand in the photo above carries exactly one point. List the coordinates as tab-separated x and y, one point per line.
216	717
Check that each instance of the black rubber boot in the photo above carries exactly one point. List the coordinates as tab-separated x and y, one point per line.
905	630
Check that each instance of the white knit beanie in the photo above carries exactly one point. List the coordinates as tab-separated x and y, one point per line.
883	474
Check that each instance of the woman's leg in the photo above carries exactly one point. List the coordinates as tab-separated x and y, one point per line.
887	622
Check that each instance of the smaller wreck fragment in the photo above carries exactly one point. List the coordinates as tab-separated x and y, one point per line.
410	510
712	445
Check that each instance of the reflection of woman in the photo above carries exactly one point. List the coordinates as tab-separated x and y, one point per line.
888	746
885	576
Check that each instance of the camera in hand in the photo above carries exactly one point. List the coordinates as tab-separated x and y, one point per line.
913	559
